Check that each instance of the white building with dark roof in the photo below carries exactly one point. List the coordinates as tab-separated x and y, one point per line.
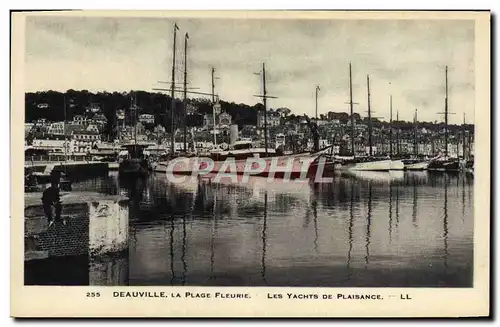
273	119
56	128
85	140
92	128
80	120
147	119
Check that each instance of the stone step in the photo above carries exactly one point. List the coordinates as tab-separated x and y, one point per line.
95	224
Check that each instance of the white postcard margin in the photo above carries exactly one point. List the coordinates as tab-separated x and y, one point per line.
71	301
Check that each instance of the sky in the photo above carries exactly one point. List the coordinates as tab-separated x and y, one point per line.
405	58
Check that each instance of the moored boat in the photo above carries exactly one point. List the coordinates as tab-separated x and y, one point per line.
290	166
397	165
469	166
415	164
132	162
365	163
444	164
375	176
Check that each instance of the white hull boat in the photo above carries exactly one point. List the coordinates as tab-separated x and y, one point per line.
292	166
417	166
397	165
378	165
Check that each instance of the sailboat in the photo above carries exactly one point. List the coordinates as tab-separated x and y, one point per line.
467	155
134	163
445	163
368	163
396	164
239	152
239	159
415	163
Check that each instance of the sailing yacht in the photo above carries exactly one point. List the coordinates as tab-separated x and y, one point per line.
468	165
415	163
445	163
132	161
240	152
236	159
366	163
396	164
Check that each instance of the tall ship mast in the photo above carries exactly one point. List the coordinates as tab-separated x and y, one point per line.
390	126
365	163
370	123
415	136
446	114
215	106
316	98
415	163
186	37
446	163
370	132
351	106
66	144
464	140
397	135
135	164
133	107
264	97
172	93
264	102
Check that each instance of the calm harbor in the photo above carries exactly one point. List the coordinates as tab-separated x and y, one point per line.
397	211
367	229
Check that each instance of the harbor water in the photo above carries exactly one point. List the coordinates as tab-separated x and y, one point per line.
368	229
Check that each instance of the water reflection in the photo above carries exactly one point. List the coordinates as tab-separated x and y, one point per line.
397	207
375	176
359	230
414	212
172	270
390	213
184	249
445	222
350	231
463	199
213	236
368	225
264	240
110	269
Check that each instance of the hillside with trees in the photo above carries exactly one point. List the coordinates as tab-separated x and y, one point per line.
50	105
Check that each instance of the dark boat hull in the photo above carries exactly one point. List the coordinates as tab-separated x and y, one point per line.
37	183
444	165
133	168
415	165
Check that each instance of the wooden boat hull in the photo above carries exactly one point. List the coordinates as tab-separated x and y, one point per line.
397	165
378	165
133	167
444	165
417	165
293	166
